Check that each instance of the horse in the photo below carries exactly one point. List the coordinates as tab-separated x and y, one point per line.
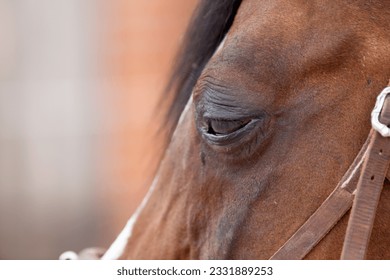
270	104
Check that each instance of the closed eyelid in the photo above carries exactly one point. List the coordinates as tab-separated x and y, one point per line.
221	102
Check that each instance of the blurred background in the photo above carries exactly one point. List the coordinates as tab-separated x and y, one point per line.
80	82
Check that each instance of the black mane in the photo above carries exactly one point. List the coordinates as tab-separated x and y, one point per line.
208	26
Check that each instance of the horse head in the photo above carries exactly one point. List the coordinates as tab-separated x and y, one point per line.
274	100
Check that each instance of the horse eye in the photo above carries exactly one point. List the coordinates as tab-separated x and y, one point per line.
225	127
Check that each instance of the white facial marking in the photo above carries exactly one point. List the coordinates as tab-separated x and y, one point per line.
220	47
116	249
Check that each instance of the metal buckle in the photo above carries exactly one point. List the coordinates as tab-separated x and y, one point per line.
376	124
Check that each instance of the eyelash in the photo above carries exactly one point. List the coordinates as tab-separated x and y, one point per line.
225	127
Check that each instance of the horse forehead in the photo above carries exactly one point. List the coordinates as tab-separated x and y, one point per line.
290	13
277	25
275	39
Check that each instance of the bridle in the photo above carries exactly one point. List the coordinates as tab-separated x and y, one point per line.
360	188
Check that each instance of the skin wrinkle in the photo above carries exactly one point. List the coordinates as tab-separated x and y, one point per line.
306	64
218	105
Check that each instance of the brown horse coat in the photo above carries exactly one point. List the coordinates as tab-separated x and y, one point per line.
276	117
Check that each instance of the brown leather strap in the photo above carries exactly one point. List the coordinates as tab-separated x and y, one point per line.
376	156
368	193
326	216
